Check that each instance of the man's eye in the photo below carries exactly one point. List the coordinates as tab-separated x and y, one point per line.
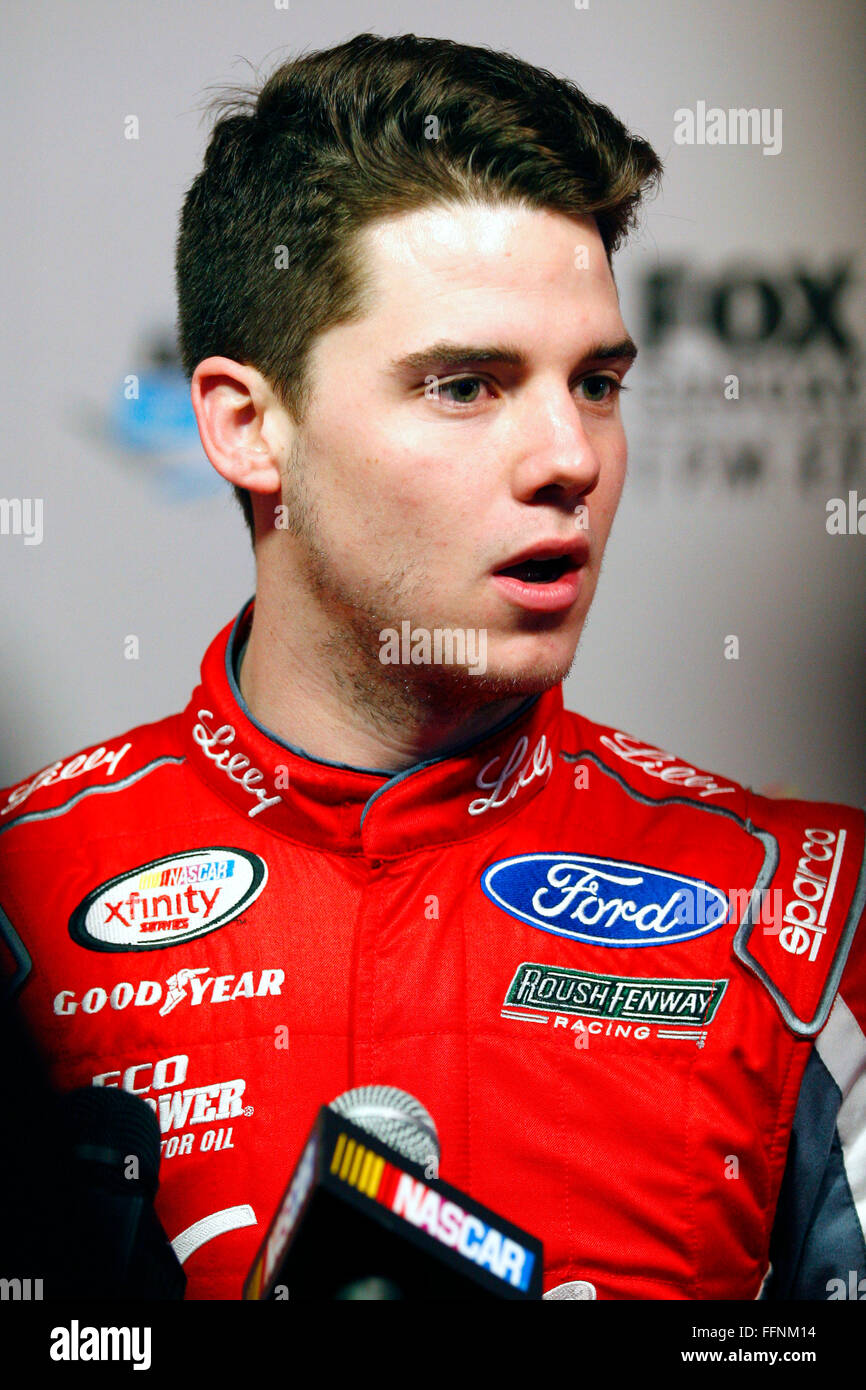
609	386
463	387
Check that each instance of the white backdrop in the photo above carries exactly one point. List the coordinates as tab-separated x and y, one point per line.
722	529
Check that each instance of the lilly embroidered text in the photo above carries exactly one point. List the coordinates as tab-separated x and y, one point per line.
538	764
62	772
232	764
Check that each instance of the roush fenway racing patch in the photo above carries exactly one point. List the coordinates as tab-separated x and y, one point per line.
169	901
559	989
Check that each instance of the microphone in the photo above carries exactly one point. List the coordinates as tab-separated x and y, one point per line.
396	1118
113	1244
77	1216
366	1217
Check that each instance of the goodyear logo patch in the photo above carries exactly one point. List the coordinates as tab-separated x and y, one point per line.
559	989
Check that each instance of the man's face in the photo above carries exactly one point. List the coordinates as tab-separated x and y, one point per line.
413	484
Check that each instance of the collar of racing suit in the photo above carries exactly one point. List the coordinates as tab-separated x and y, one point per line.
362	811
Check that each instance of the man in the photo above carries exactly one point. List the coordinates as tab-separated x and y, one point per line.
374	848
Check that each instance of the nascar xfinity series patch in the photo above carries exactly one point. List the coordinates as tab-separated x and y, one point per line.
168	901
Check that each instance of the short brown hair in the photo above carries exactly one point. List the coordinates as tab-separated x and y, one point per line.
342	137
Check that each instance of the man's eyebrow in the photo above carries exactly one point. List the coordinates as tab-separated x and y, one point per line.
447	355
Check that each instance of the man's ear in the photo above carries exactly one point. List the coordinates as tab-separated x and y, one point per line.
245	431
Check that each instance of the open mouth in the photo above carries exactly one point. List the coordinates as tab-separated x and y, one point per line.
540	571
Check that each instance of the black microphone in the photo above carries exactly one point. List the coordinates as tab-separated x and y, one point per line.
78	1175
366	1217
112	1243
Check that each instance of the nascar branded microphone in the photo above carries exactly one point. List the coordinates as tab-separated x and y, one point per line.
362	1217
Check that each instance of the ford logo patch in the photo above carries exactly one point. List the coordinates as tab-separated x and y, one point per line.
605	902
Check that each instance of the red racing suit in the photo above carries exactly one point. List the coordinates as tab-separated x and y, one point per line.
632	994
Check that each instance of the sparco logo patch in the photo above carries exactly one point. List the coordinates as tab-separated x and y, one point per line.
169	901
558	989
814	886
604	901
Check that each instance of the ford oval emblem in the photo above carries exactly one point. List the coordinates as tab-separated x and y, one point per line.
606	902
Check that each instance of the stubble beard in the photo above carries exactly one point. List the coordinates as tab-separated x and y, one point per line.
348	644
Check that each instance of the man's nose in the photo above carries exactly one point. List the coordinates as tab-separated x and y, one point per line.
554	448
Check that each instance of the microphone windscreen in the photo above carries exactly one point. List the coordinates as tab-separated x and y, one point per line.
394	1117
109	1126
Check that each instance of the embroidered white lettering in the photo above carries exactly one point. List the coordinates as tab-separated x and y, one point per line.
231	764
539	764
